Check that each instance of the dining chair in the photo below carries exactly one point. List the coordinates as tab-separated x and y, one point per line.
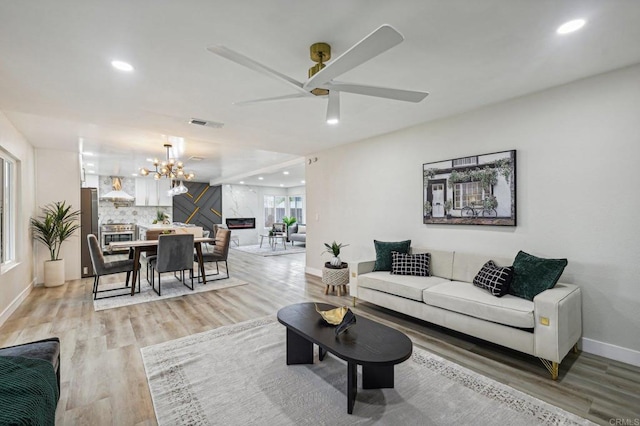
175	254
205	234
219	253
102	267
149	254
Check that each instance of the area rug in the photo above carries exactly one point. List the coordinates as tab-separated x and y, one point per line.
266	249
238	375
171	287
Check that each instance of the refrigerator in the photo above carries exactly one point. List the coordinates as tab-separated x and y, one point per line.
88	225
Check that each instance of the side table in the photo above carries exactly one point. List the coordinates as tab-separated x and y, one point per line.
335	277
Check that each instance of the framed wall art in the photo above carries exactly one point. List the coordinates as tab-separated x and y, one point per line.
473	190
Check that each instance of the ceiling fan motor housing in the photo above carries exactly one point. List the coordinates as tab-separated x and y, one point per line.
319	52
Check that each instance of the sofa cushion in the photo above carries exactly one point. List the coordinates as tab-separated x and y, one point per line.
302	229
464	298
407	286
533	275
410	264
383	252
494	278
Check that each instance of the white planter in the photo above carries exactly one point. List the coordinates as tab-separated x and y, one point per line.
53	273
335	261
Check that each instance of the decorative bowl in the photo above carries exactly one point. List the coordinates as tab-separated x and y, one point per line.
333	316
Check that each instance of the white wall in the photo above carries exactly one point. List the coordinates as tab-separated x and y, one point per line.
58	179
17	282
578	151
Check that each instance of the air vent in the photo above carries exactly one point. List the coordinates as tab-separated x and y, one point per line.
196	158
206	123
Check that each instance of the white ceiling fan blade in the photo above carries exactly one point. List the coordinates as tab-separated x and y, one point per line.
239	58
333	108
380	40
276	98
381	92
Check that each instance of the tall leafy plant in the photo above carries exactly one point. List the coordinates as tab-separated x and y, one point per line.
56	225
289	220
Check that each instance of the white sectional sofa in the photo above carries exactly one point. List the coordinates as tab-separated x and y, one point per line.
547	327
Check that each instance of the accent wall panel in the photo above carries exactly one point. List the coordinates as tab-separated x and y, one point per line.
201	206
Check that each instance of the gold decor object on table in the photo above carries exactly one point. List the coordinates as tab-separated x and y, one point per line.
333	316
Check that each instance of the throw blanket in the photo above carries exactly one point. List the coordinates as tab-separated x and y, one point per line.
28	391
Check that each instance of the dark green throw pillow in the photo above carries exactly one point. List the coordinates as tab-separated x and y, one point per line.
383	253
532	275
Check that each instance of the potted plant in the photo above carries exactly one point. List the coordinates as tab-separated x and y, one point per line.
448	205
334	249
288	220
427	209
57	224
161	218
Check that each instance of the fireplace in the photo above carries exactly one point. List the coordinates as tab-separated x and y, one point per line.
241	223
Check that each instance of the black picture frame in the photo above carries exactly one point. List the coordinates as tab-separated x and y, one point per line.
471	190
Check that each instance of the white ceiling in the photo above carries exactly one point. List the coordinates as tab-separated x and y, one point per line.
59	90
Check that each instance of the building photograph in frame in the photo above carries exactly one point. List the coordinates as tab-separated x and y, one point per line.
472	190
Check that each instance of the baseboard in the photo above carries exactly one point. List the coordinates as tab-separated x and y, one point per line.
607	350
4	316
313	271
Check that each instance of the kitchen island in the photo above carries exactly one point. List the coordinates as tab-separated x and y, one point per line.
197	231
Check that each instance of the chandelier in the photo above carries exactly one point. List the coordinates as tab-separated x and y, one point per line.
169	168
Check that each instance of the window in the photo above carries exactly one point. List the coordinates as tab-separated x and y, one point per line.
295	208
467	194
466	161
7	209
274	209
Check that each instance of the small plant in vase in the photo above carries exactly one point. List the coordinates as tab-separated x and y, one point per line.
334	249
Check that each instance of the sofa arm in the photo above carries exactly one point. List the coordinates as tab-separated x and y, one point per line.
558	321
355	269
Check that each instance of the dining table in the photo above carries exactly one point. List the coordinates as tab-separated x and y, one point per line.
138	246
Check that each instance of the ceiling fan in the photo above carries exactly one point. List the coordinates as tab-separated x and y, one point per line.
321	76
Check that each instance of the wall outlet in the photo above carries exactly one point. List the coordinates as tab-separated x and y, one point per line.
85	270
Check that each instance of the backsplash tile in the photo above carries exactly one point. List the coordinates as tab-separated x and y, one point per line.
140	215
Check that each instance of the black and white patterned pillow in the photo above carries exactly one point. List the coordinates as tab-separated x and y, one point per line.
494	278
410	264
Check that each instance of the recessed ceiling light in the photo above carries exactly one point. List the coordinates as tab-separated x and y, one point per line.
90	164
88	154
122	66
134	174
91	172
241	182
285	173
282	184
260	178
571	26
333	121
302	181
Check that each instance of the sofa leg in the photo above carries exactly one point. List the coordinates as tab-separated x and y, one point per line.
552	367
575	348
354	301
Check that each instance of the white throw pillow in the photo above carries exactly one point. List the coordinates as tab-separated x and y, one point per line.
302	229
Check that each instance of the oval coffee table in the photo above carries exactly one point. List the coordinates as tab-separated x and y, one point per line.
374	346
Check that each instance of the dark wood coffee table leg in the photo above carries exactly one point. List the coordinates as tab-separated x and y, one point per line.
377	377
352	385
299	349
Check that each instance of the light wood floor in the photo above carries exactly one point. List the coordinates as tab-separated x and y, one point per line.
103	378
